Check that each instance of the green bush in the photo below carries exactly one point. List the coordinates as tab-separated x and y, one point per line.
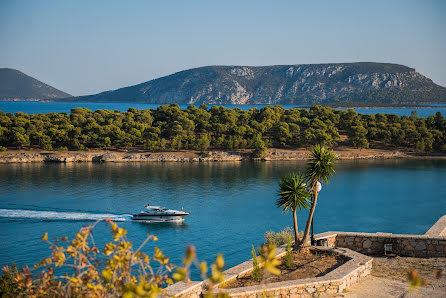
281	237
287	260
117	270
204	154
256	274
3	148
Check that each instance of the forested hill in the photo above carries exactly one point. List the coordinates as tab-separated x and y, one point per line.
15	85
364	82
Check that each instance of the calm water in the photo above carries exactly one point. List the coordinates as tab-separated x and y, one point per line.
231	204
65	107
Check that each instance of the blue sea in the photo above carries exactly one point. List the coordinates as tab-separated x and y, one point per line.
231	204
34	107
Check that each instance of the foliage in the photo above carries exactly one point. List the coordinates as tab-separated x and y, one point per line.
320	168
204	154
170	128
287	260
3	148
293	193
118	270
268	260
256	274
279	238
260	149
8	282
115	271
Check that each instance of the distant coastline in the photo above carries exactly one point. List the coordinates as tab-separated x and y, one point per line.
344	153
352	105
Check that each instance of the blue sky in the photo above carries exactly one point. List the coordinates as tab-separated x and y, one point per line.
85	47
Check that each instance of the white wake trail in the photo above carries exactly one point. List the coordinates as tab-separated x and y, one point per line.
55	215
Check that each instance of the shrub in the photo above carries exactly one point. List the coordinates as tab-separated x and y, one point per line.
256	274
288	258
115	271
204	154
3	148
281	237
8	283
118	270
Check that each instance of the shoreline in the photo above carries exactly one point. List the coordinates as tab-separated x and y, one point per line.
343	153
346	106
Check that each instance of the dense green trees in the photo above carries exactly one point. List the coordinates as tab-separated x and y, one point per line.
201	128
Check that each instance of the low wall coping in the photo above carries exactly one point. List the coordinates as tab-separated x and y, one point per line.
335	276
438	229
379	235
180	288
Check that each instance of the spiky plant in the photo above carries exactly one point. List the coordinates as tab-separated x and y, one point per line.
320	168
293	195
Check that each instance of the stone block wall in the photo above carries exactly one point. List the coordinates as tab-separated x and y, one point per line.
334	282
355	246
351	272
402	245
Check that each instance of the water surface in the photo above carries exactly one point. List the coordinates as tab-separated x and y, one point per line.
232	204
34	107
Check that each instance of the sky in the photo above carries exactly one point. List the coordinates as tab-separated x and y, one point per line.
85	47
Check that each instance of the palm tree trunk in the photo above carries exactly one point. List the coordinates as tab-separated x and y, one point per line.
309	220
296	231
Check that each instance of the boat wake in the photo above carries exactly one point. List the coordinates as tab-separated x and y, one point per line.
56	215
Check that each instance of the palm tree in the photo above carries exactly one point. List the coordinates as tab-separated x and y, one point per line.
320	168
293	195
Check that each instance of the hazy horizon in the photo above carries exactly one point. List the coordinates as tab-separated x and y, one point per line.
84	48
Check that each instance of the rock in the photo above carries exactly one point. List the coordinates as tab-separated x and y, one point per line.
367	244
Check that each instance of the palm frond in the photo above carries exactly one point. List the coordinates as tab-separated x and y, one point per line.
293	193
321	165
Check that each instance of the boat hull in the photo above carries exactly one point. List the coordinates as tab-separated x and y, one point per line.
159	218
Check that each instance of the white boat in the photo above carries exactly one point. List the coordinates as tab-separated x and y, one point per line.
160	214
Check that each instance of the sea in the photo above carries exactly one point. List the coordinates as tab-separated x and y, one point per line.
231	204
35	107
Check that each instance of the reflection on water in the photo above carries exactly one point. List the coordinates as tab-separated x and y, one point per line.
231	203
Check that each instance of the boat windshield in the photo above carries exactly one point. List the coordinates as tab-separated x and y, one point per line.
155	208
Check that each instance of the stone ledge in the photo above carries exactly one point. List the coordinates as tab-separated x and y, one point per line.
181	289
438	229
335	281
350	244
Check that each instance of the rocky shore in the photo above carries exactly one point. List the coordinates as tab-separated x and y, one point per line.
21	156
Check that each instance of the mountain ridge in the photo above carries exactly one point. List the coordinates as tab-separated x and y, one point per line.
16	85
327	83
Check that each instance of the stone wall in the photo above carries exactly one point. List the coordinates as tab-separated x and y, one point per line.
349	273
333	282
402	245
355	246
181	289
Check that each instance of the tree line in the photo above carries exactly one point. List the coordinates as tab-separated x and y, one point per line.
200	128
